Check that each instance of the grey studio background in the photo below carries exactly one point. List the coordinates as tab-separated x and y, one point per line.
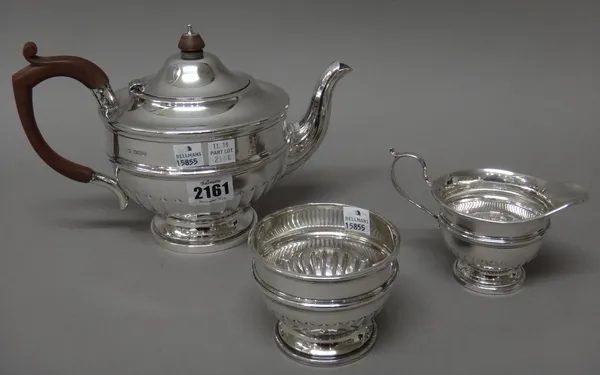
512	84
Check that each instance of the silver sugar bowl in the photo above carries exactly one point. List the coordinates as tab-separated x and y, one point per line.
493	221
194	143
325	270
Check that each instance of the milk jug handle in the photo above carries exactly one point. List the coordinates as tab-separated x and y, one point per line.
84	71
397	157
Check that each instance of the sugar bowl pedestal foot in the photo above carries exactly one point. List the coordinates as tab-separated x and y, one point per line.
333	350
488	280
203	234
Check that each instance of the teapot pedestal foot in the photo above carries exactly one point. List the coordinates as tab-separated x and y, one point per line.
321	351
201	234
488	280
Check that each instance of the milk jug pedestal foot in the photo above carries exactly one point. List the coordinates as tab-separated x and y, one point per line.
488	280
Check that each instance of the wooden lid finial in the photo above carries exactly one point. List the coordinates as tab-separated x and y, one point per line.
191	41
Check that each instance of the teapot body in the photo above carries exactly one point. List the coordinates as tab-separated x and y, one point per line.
244	166
200	182
195	143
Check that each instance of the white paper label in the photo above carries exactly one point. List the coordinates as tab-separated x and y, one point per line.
221	152
189	155
357	219
209	190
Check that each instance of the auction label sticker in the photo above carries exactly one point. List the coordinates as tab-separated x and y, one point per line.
357	219
221	152
210	190
188	155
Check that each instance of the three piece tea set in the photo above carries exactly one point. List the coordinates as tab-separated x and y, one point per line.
197	144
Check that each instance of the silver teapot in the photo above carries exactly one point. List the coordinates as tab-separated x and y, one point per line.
195	143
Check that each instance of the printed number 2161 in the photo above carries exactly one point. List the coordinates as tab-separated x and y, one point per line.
211	191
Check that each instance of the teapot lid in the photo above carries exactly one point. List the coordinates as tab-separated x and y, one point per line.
193	74
193	92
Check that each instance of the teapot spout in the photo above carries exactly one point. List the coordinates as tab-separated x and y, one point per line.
305	136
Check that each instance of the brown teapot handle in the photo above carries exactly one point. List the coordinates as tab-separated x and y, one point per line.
39	70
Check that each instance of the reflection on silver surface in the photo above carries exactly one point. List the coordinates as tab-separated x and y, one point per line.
323	282
196	100
307	134
265	148
197	144
493	220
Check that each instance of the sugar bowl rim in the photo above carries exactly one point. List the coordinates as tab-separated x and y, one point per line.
390	256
